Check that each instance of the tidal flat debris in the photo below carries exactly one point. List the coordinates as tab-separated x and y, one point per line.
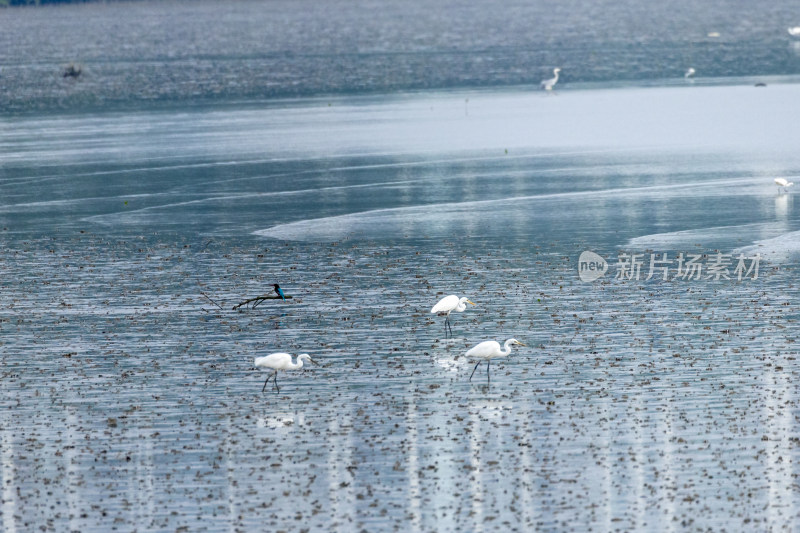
72	70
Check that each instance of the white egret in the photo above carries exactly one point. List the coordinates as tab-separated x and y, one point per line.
447	305
689	73
488	350
795	31
279	361
783	184
548	85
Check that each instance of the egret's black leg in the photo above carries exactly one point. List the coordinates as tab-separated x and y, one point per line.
266	381
488	368
446	324
473	370
276	381
449	325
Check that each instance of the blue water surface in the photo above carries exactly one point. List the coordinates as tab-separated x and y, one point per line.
372	158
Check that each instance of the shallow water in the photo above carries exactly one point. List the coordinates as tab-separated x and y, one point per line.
129	396
180	174
206	51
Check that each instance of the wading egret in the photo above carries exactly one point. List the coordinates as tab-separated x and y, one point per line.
279	292
548	85
488	350
279	361
783	184
447	305
795	31
689	73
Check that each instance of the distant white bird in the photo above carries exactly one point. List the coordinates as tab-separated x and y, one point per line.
279	361
783	184
794	32
689	73
548	85
488	350
447	305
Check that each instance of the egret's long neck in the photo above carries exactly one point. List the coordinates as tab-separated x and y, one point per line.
506	347
555	79
298	364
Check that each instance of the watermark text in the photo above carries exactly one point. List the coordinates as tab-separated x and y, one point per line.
680	267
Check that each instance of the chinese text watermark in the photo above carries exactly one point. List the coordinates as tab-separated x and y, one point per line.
662	266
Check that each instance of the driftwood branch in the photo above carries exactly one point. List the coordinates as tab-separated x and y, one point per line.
210	300
255	302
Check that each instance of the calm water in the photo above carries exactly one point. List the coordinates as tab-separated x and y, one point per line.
163	51
129	400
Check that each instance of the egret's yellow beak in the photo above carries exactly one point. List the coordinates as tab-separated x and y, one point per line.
521	344
470	302
312	361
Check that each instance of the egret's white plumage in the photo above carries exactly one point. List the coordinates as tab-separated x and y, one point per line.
548	85
279	361
451	303
782	183
795	31
488	350
447	305
689	73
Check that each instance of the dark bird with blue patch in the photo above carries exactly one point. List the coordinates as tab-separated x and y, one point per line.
279	291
